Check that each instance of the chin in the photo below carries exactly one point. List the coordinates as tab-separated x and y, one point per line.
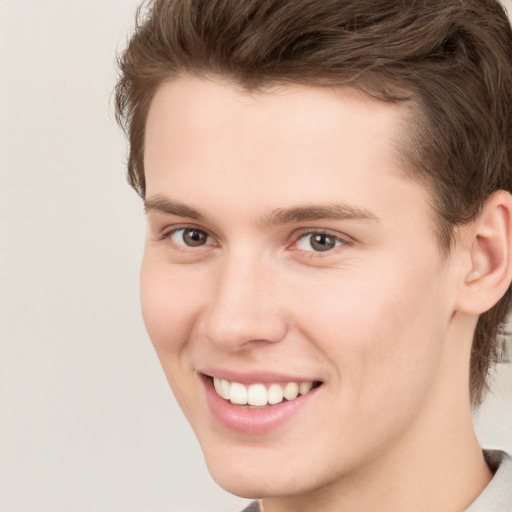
255	476
253	486
247	490
240	476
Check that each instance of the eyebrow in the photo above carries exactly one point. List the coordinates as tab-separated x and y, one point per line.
162	204
279	216
330	211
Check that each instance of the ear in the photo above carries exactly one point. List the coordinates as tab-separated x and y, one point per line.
488	242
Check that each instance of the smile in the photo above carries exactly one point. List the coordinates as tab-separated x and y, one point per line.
260	395
256	404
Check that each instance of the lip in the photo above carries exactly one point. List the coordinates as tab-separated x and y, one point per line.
249	378
253	421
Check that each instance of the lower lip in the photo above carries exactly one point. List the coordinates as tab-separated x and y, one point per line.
253	421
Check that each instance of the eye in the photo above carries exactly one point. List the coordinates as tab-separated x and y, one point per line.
190	237
318	242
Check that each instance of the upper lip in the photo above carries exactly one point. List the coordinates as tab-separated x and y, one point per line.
254	377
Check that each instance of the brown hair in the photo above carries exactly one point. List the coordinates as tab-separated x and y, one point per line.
450	60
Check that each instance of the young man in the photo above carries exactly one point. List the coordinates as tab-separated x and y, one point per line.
329	253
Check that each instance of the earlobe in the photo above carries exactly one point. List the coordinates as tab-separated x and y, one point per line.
489	243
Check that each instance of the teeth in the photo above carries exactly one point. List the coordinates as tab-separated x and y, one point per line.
238	393
259	395
224	389
304	387
216	385
275	394
291	391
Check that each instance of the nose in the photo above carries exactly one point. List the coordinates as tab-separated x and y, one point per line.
244	308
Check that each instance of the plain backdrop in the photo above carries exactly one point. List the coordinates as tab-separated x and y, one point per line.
87	422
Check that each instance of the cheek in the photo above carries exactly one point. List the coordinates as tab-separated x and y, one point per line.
383	333
167	305
168	309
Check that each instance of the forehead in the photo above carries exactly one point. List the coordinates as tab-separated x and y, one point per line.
288	144
189	109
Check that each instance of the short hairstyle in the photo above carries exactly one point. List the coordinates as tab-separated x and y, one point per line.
448	61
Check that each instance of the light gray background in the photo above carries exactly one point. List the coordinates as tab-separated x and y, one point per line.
87	422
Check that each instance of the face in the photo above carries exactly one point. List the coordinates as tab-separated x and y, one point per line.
292	282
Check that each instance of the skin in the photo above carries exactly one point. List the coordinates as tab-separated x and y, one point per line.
377	318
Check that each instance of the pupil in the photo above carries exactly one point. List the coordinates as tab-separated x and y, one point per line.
194	238
322	242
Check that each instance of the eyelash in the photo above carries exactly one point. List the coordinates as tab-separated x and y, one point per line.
338	240
167	235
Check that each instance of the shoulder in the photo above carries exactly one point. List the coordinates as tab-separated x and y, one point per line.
497	496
